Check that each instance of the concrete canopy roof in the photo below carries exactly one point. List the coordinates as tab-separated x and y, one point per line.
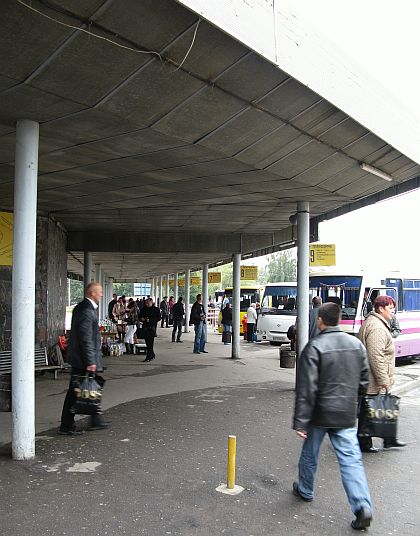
224	143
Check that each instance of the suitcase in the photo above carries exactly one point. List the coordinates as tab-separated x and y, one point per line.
226	337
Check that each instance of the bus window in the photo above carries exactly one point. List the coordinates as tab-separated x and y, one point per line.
343	290
374	293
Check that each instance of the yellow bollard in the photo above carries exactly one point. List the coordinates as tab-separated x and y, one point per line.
231	468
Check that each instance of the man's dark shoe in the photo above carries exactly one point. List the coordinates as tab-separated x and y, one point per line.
203	352
388	444
196	352
296	493
69	432
371	450
179	341
363	519
99	426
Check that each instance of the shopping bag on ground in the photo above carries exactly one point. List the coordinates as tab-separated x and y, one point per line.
88	395
379	415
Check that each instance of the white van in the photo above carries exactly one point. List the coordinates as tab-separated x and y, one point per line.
278	312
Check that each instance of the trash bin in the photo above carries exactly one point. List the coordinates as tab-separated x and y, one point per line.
5	392
287	358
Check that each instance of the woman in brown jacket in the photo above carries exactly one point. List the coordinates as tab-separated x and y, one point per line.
375	334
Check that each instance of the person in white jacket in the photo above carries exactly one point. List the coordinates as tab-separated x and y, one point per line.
251	320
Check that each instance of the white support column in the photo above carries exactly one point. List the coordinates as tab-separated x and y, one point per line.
152	289
98	279
167	285
236	301
161	294
23	290
187	300
205	291
110	292
87	268
302	323
176	288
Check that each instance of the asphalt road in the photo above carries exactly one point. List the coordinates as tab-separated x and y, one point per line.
155	473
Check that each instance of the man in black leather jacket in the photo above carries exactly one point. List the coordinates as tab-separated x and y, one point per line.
84	353
332	374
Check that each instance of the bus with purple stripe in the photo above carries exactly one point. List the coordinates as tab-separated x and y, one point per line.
356	293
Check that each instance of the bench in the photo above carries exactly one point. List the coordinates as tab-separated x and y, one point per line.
40	358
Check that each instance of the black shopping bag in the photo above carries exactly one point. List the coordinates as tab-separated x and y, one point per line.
88	395
379	415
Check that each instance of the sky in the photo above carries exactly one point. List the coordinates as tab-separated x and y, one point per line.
382	36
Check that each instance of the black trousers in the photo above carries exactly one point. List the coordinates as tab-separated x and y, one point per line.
150	341
250	328
177	326
165	318
67	417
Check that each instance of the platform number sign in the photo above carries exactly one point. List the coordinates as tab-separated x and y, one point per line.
215	277
322	255
249	273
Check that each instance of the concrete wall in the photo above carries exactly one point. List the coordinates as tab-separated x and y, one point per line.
50	287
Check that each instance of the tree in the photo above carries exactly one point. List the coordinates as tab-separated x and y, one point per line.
281	267
124	288
77	291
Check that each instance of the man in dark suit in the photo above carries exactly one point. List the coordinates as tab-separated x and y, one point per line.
84	353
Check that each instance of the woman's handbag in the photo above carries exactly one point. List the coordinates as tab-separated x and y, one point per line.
87	395
379	415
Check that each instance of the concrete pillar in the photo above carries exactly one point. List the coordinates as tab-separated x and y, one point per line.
161	294
187	300
236	302
167	285
87	268
110	291
98	278
205	291
205	287
176	288
23	290
302	323
153	289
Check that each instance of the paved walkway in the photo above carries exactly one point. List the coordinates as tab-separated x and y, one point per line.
177	369
155	472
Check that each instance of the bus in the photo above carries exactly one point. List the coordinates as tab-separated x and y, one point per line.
356	293
248	294
278	313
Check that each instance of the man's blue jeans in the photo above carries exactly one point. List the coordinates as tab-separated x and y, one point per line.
200	336
347	450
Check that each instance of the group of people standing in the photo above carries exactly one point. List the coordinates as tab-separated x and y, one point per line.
173	314
252	314
140	318
135	319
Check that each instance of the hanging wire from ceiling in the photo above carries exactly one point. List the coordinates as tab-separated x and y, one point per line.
91	34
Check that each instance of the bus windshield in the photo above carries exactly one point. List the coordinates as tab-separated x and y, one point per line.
279	300
340	289
248	296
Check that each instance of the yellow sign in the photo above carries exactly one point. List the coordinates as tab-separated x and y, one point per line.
322	255
215	277
6	239
249	272
181	282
